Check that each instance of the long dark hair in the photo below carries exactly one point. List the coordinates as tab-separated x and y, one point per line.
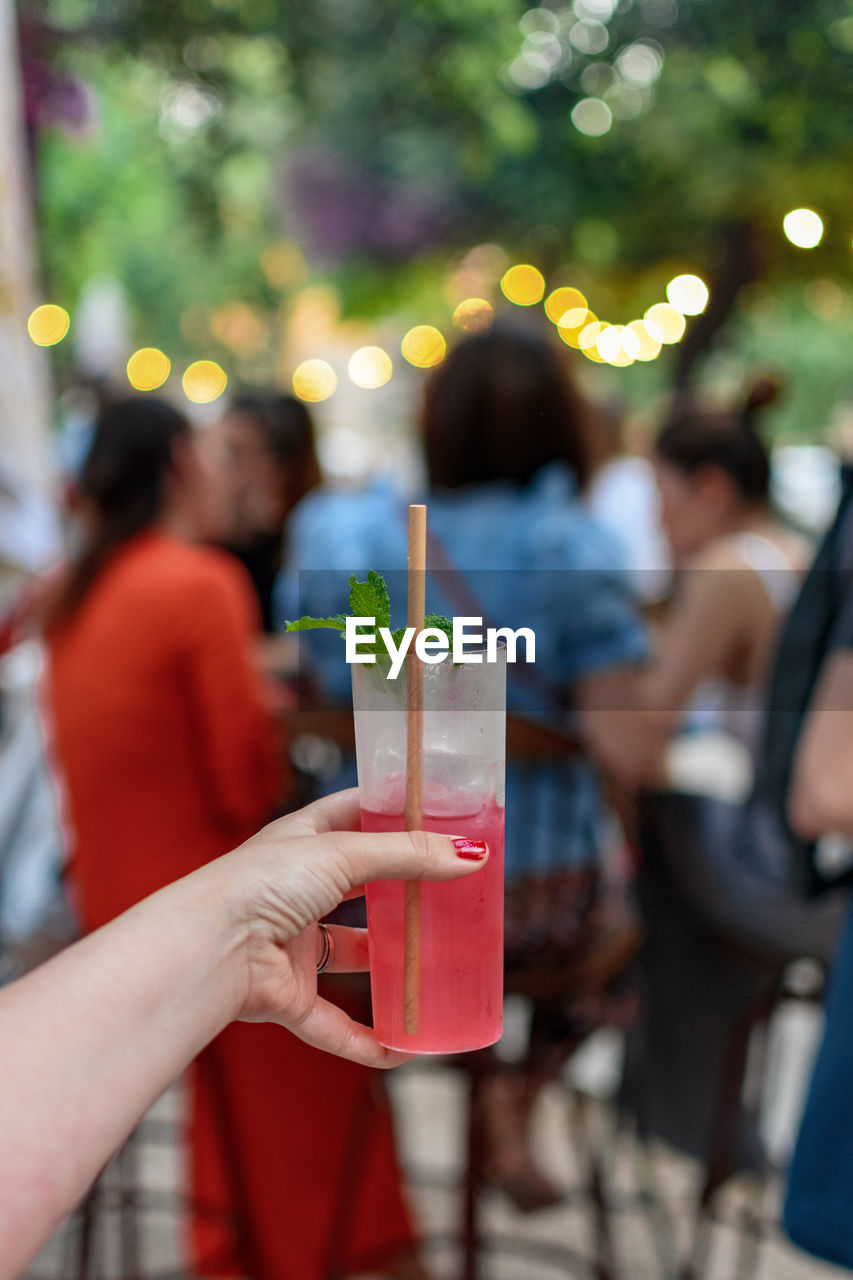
501	407
122	485
287	430
696	437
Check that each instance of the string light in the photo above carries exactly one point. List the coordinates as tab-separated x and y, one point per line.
314	380
561	301
664	323
148	368
523	285
688	294
474	315
424	346
803	227
204	381
48	324
370	368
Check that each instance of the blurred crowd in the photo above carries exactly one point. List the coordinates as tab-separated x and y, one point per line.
679	816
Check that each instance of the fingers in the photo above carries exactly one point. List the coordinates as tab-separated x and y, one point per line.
337	812
327	1027
406	855
349	954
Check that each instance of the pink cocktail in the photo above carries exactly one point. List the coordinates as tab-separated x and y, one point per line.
461	943
459	979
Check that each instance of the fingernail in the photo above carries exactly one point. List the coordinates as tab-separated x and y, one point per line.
470	850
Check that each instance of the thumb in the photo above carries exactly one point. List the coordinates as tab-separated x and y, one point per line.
405	855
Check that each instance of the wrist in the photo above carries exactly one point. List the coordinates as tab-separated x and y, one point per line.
215	913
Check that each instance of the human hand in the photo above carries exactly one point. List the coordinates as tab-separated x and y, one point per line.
294	872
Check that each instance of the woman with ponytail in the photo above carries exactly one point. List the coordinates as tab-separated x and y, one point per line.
694	739
737	572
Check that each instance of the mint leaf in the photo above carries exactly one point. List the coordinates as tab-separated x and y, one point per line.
370	599
337	623
437	621
440	623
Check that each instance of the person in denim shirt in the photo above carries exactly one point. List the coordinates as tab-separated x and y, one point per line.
503	431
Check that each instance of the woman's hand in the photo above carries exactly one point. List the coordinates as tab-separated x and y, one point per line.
294	872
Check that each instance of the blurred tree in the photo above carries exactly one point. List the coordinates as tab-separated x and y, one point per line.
626	139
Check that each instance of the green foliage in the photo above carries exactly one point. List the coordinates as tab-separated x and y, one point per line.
204	105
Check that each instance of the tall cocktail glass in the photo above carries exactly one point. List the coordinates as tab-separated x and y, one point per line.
459	977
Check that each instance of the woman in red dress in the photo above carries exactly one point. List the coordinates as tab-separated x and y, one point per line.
170	760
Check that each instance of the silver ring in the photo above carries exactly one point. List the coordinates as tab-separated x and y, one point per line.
328	949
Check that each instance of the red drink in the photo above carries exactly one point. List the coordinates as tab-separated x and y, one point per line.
460	994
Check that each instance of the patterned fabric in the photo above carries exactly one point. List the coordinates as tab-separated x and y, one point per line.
531	557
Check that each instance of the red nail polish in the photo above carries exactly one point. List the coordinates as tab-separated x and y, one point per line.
470	850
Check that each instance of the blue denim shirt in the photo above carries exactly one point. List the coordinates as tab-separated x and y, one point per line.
531	557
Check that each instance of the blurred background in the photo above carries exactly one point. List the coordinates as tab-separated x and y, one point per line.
261	188
323	201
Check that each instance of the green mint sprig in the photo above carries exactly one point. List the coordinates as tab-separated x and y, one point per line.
369	599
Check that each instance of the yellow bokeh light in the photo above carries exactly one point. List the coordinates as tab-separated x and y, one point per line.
572	322
561	301
370	367
204	381
148	368
664	323
48	325
523	284
609	342
803	227
474	315
617	345
424	346
688	294
314	380
648	348
588	338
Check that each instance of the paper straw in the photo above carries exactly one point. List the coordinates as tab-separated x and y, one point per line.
414	761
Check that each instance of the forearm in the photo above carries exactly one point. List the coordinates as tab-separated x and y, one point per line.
92	1037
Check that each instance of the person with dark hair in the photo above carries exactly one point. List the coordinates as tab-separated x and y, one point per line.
691	741
737	572
163	737
272	461
160	728
510	541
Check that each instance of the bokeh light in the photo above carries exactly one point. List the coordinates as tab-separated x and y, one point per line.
688	294
48	325
370	367
314	380
148	368
664	323
204	381
572	323
562	300
588	338
474	315
424	346
803	227
523	284
648	348
592	116
617	345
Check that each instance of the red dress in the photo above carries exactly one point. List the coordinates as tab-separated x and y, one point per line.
169	761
